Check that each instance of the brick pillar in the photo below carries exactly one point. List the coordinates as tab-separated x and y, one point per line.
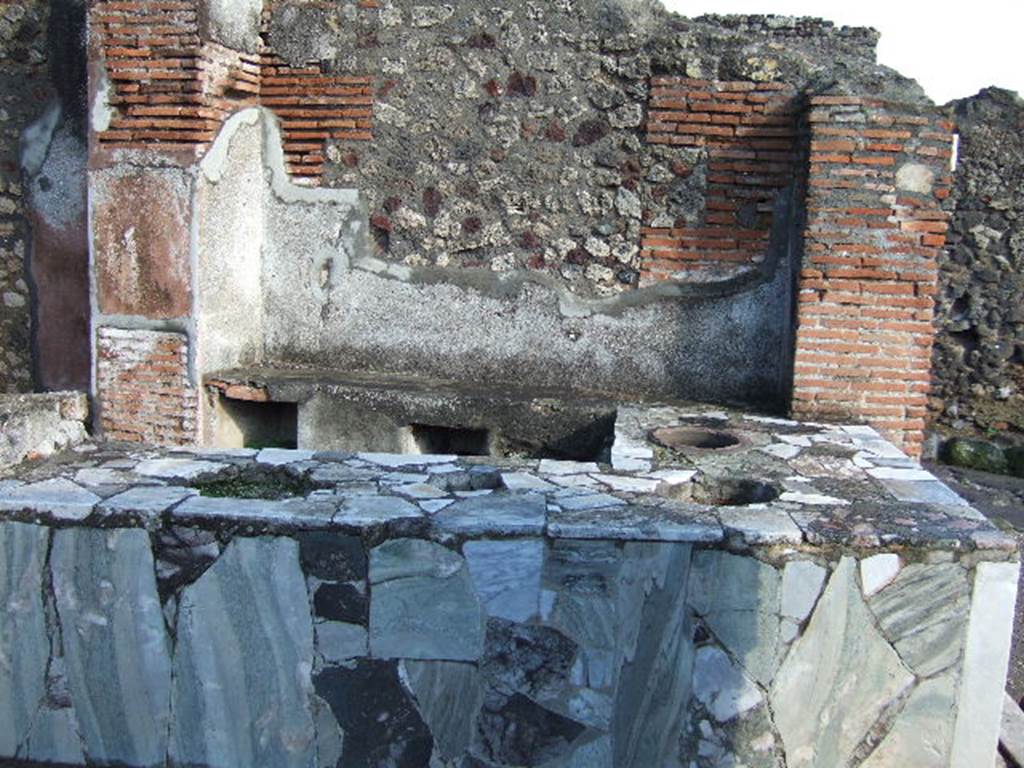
166	87
878	176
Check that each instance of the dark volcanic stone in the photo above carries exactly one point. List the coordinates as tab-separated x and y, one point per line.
516	731
332	557
432	200
341	602
589	132
382	727
976	454
521	85
1015	458
525	658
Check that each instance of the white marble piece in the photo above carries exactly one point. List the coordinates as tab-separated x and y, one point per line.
337	641
738	596
878	571
813	499
278	457
924	492
986	655
296	511
878	447
371	510
115	644
186	469
420	491
721	686
770	420
628	484
444	469
923	732
520	514
672	476
576	481
55	739
631	464
507	576
59	498
801	584
783	451
524	481
841	673
799	441
861	430
432	506
93	476
557	467
590	501
760	524
147	500
448	696
423	605
24	645
900	473
404	478
395	460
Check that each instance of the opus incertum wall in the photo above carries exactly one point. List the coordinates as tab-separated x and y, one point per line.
807	597
581	195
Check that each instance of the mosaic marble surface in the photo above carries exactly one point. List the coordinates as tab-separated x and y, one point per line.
834	485
407	611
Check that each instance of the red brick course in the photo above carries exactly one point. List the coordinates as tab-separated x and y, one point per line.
750	132
173	90
143	389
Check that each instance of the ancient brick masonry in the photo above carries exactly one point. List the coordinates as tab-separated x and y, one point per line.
175	89
169	86
171	89
876	226
732	155
143	379
750	133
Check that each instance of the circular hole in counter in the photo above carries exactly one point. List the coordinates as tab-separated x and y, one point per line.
724	491
684	438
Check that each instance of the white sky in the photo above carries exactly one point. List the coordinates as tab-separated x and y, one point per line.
953	49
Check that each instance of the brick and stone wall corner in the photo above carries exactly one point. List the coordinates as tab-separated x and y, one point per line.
878	177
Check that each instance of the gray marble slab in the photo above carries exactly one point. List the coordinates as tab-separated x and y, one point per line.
115	645
57	497
24	643
507	576
521	514
243	662
422	603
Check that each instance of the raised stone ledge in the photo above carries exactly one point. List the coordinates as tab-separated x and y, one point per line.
811	485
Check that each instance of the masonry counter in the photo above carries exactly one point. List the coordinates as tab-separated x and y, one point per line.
715	587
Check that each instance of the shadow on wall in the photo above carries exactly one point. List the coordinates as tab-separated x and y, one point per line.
54	158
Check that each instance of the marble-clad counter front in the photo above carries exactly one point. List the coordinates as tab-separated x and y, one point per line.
741	591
